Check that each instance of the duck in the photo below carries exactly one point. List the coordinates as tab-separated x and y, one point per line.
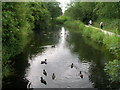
72	65
81	75
80	72
53	46
44	62
44	72
43	81
53	76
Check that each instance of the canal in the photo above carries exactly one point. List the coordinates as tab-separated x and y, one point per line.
60	47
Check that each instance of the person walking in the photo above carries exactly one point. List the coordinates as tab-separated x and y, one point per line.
101	25
90	22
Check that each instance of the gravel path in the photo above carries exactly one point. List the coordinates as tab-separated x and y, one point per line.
106	32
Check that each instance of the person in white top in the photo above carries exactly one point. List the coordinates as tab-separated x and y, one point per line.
90	22
101	25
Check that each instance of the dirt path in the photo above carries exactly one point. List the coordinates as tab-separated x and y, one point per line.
106	32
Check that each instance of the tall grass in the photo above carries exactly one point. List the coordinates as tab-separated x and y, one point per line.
112	43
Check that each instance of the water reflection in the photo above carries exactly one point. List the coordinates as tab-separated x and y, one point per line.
59	60
60	48
96	55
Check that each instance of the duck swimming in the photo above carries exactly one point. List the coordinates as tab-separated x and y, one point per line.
81	75
80	72
53	46
53	76
44	62
72	65
44	72
43	81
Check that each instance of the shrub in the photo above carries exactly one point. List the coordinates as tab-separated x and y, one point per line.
81	26
62	19
97	36
72	23
111	42
113	70
87	32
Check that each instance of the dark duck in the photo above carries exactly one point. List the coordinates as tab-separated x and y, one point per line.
43	81
53	76
44	62
53	46
81	75
44	72
72	65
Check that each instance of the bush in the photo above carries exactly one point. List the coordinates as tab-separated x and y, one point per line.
97	36
81	26
18	20
72	24
111	42
16	28
62	19
113	70
87	32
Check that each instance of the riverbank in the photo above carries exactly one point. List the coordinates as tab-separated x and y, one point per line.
110	25
104	31
109	40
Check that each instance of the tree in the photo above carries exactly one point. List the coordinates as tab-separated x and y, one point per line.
54	9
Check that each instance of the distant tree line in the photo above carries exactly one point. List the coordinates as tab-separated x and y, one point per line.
85	11
18	20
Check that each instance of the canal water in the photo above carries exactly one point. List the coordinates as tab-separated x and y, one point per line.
70	47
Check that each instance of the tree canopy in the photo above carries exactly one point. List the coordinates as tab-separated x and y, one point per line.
85	11
18	20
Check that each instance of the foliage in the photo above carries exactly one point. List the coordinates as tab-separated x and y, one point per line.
81	26
111	43
107	9
98	36
113	70
86	10
41	15
107	12
15	28
73	24
54	9
18	20
62	19
81	11
109	24
7	71
94	34
87	32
